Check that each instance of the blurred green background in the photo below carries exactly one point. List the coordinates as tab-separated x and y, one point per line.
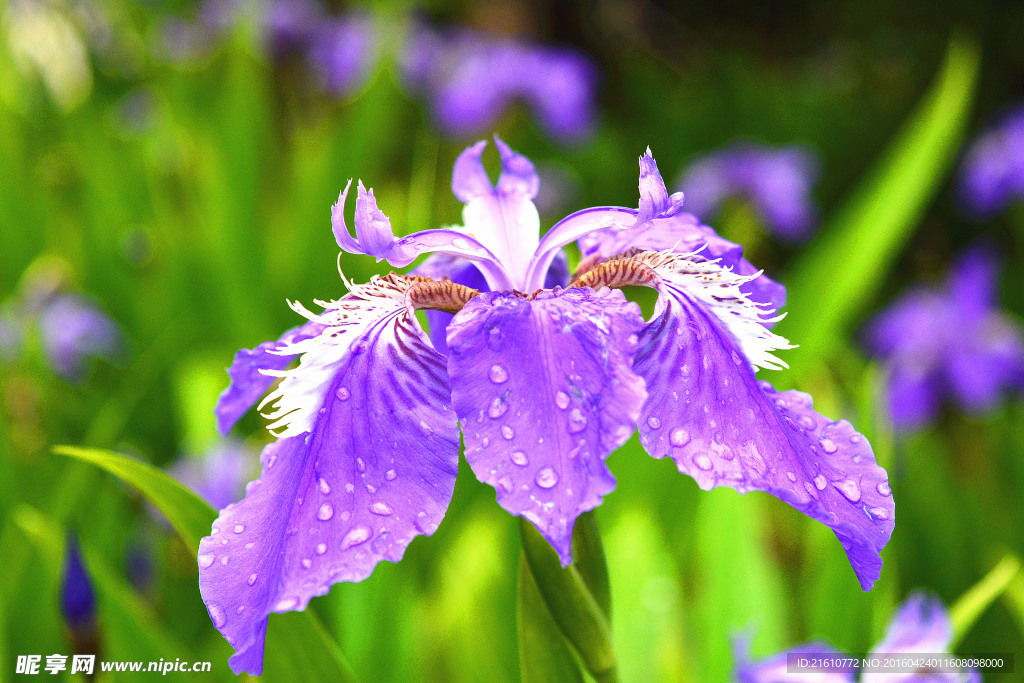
191	199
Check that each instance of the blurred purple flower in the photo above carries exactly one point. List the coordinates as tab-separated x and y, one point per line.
948	341
992	172
777	181
920	626
74	330
77	597
343	52
219	475
545	386
472	78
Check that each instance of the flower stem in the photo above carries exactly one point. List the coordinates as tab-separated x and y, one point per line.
577	597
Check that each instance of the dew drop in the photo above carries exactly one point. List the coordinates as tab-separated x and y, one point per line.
829	446
856	438
360	464
878	513
460	243
562	400
506	484
849	488
546	478
654	422
307	563
239	528
791	476
349	488
679	436
390	475
820	482
355	536
321	548
381	508
519	458
342	393
702	462
498	374
224	560
216	614
251	580
577	421
325	512
371	489
325	488
205	560
239	609
507	432
497	408
883	488
806	421
271	459
286	604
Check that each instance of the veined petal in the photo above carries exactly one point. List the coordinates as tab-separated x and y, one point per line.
503	218
366	466
544	392
248	381
706	409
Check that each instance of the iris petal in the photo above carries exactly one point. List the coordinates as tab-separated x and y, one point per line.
776	669
707	411
375	468
248	382
544	392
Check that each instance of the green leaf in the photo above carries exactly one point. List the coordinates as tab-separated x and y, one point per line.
543	652
295	641
573	607
837	276
976	600
190	515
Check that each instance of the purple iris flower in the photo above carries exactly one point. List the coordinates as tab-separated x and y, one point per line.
992	172
219	476
920	626
73	330
77	596
948	341
776	181
545	382
343	52
471	80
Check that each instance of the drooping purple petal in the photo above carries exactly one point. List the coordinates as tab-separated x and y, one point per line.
992	173
776	669
912	395
375	468
248	383
544	392
72	330
706	410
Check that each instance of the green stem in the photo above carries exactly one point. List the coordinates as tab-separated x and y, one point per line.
577	596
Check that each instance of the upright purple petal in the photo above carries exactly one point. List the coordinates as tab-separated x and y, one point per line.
992	173
342	52
544	392
912	395
707	411
469	178
248	383
367	463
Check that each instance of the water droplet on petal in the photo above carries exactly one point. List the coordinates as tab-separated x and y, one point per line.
239	609
357	535
325	512
381	508
321	548
883	488
224	559
506	484
806	421
307	563
878	513
562	400
577	421
205	560
546	478
371	489
498	374
349	488
271	459
342	393
325	488
390	475
216	614
497	408
507	432
460	243
829	446
239	528
702	462
519	458
679	436
820	482
286	604
791	476
360	464
856	438
654	422
251	580
849	488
